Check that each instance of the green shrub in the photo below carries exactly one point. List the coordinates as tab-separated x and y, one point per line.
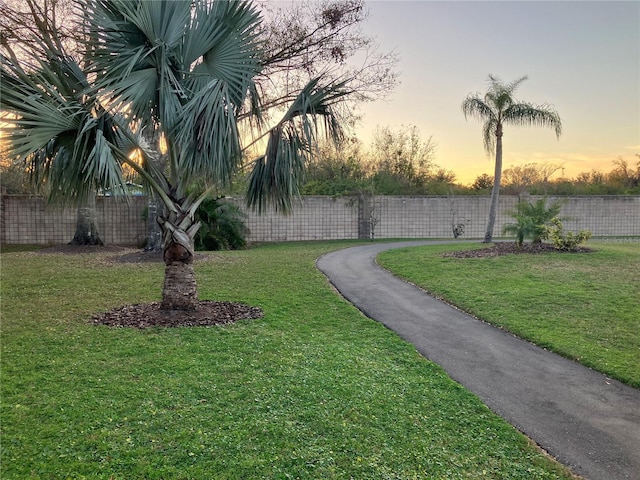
565	241
531	220
223	226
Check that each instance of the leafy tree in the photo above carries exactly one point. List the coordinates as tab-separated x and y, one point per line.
400	159
336	169
497	108
482	182
625	176
532	220
185	72
399	162
440	181
532	177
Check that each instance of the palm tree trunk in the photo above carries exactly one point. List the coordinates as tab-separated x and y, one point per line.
495	192
86	224
180	290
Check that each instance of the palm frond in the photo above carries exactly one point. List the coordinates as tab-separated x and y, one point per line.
473	106
136	53
512	86
65	138
526	114
276	175
489	135
207	133
224	37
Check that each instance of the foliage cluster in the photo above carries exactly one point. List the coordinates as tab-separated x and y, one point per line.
223	226
565	241
539	222
536	179
532	220
350	168
399	162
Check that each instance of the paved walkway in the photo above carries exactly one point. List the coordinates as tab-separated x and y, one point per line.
587	421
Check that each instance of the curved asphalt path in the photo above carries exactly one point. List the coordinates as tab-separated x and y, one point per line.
587	421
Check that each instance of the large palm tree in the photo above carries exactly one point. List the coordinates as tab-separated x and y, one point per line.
183	71
498	108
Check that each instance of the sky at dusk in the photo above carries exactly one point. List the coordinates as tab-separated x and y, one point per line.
581	57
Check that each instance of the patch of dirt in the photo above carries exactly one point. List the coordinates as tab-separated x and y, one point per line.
121	254
145	315
140	256
507	248
69	249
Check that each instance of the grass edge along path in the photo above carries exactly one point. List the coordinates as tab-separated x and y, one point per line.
312	390
582	306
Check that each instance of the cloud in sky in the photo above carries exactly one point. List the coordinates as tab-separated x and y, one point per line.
582	57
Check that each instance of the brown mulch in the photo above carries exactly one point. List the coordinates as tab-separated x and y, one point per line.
507	248
146	315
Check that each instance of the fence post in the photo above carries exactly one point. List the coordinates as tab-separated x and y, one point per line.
364	216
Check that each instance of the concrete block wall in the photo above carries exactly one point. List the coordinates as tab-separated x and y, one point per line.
602	215
26	219
313	218
29	220
433	217
320	217
122	222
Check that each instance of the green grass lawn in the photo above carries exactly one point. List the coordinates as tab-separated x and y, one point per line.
314	390
583	306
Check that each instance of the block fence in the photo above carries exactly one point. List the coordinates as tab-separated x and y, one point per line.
28	220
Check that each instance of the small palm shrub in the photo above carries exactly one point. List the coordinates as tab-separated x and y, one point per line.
532	220
565	241
223	226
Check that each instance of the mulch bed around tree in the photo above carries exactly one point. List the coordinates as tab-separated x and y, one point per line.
506	248
145	315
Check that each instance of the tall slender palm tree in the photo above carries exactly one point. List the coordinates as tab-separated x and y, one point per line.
182	70
497	108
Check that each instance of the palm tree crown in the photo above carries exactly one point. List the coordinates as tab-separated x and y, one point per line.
498	107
